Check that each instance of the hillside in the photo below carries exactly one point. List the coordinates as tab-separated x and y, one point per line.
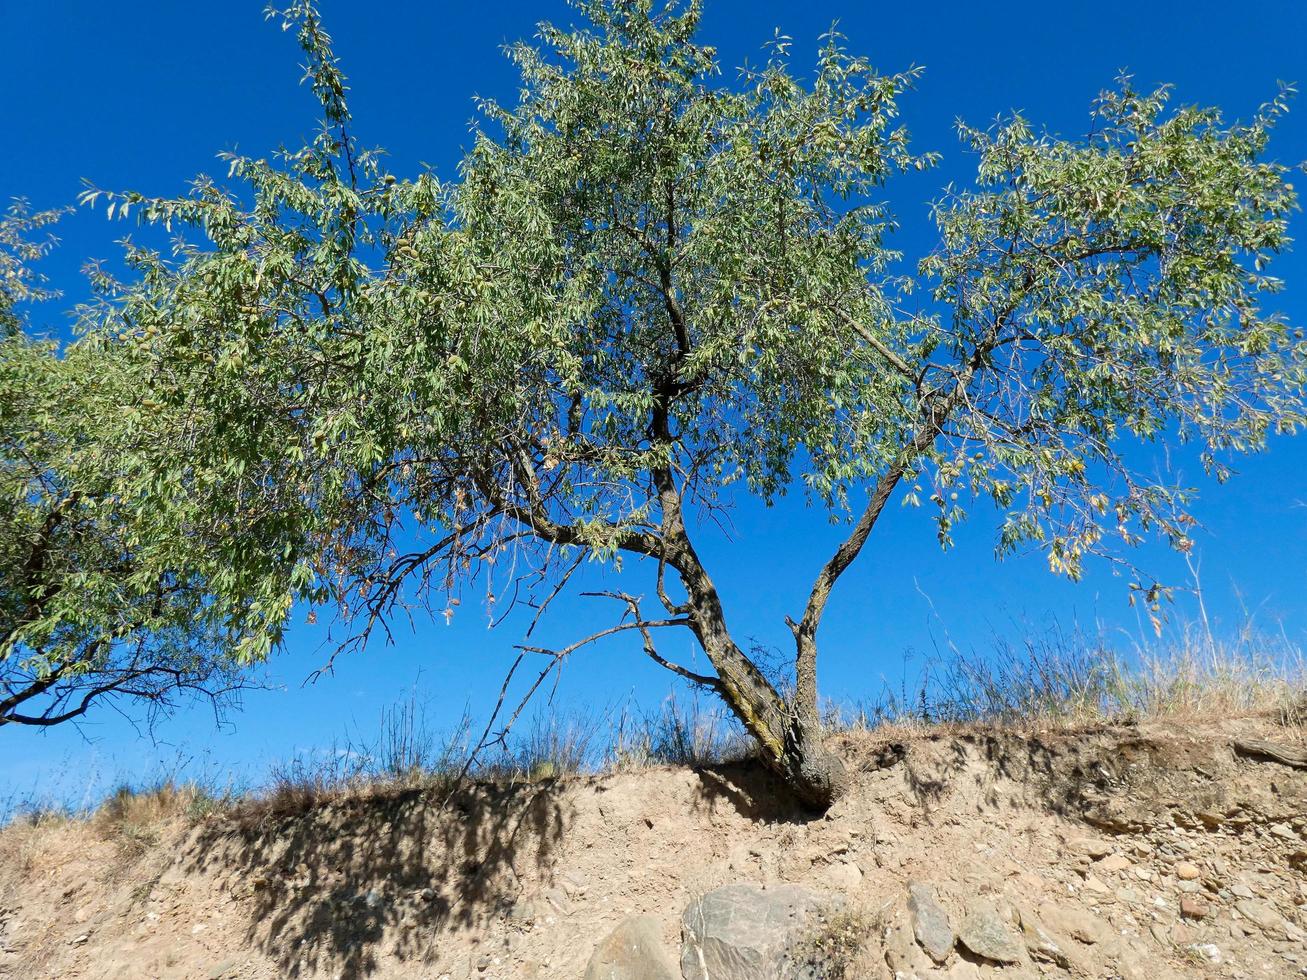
1154	851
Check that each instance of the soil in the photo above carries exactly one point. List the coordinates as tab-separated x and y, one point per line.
1153	851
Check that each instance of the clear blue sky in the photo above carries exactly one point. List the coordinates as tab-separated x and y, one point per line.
142	95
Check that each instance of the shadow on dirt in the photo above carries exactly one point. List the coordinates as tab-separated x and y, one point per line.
326	887
333	885
1067	776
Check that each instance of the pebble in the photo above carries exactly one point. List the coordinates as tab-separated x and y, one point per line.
1193	908
1186	871
1095	885
1094	848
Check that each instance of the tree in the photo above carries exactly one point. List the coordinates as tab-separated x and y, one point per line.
648	291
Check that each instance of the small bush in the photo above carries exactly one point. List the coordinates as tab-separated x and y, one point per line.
831	949
678	734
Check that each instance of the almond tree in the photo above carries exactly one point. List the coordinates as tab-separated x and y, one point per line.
97	604
650	290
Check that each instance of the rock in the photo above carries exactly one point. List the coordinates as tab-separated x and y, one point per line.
1186	871
743	932
1208	951
930	922
1080	926
1094	848
1192	908
1043	944
1097	885
632	951
985	932
557	899
1260	914
1241	890
523	914
1114	862
901	952
226	968
843	876
571	885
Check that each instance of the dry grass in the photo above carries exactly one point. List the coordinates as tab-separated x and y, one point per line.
680	733
1066	680
1059	680
835	947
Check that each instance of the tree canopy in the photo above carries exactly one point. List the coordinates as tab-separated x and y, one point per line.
646	291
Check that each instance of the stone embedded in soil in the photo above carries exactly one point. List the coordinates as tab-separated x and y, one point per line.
1095	885
1193	908
1079	925
986	934
743	932
843	876
930	922
632	951
1114	862
1042	944
227	968
1260	914
1093	847
1186	871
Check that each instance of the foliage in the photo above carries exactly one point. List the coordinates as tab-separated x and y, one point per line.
19	249
99	597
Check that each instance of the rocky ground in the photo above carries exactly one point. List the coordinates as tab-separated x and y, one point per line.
1153	851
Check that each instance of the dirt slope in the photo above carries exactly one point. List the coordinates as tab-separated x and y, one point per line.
1102	836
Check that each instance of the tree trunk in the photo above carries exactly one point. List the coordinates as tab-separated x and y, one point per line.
789	739
788	736
814	772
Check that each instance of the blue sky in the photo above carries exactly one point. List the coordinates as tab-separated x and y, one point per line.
142	95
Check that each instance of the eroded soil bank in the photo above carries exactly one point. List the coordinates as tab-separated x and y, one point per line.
1153	851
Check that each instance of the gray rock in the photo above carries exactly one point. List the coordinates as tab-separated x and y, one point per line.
1260	914
1044	944
633	951
986	934
743	932
227	968
930	922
